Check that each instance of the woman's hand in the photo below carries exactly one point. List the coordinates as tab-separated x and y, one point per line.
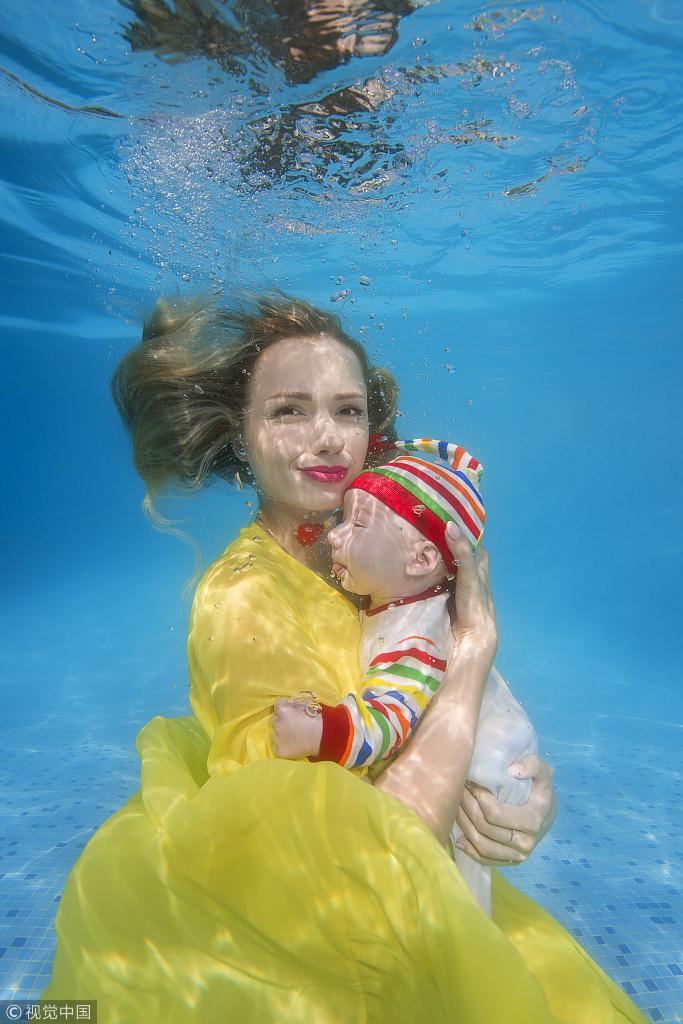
475	615
500	835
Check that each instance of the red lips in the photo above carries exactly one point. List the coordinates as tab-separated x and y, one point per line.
326	474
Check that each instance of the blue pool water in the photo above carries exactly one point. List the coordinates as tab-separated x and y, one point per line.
502	225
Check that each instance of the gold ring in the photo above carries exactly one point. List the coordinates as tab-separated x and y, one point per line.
512	836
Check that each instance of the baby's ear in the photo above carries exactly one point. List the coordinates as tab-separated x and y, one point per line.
424	559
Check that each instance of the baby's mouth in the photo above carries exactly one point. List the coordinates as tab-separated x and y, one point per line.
338	569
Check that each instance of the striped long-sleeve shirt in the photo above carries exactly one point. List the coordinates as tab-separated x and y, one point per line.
403	655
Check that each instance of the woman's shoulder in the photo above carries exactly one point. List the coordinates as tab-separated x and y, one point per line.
254	568
248	556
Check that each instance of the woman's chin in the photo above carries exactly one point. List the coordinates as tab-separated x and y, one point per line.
326	496
322	502
305	506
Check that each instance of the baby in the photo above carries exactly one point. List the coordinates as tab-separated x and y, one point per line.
391	546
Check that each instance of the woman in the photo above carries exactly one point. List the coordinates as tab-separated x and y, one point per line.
233	886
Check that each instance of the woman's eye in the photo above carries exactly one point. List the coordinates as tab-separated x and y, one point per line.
285	410
353	410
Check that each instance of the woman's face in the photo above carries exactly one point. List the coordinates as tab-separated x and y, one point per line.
305	433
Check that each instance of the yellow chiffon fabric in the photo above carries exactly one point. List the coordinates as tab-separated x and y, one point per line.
233	887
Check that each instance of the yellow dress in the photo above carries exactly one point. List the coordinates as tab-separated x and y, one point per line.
234	888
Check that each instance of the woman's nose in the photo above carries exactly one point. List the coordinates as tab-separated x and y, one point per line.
327	436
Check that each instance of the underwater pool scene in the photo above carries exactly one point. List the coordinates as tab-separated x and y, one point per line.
491	200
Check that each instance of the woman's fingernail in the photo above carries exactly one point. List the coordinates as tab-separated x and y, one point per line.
453	531
461	846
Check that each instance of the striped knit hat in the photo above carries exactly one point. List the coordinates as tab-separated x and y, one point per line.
430	495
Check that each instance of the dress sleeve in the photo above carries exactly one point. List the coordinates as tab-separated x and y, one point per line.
252	641
397	687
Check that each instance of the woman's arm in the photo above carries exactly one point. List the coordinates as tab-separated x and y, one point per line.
429	776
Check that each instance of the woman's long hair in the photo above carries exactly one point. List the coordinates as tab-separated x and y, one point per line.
183	390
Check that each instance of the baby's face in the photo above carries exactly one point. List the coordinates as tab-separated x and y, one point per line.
372	546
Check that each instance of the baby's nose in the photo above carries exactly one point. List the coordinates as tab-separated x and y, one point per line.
336	535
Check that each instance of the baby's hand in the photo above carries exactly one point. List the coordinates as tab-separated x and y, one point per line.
295	732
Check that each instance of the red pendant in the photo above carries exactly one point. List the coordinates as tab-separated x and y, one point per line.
308	533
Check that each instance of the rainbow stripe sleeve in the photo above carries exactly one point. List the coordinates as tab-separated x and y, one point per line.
397	687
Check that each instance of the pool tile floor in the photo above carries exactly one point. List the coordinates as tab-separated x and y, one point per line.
611	871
